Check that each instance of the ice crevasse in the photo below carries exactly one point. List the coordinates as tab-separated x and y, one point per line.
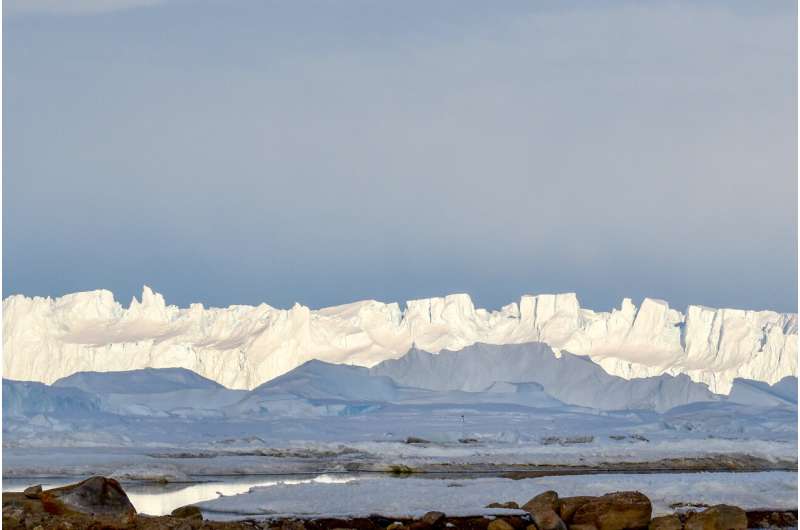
241	346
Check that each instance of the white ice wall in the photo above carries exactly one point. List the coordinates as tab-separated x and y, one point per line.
243	346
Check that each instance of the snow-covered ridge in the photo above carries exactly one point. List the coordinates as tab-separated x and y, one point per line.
45	339
569	378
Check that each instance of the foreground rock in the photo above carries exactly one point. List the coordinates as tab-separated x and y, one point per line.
504	505
544	511
771	519
188	512
720	517
615	511
666	522
433	518
99	496
95	503
33	492
499	524
567	506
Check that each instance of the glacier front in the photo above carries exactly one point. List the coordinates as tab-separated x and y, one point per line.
45	339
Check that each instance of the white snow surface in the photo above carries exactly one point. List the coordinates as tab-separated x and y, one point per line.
414	497
528	375
569	378
327	417
757	393
164	392
241	347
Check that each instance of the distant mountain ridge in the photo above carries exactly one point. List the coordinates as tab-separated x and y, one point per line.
527	375
242	347
569	378
350	418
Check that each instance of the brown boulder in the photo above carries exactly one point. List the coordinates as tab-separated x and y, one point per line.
548	499
567	506
511	505
98	496
719	517
188	512
33	492
615	511
666	522
582	527
499	524
433	518
543	509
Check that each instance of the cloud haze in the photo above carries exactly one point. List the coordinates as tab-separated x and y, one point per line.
325	152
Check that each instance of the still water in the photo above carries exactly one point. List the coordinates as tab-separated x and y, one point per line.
161	499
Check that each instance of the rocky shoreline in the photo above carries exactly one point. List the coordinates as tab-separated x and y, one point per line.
101	503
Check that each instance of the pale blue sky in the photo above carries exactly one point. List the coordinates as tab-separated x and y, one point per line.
324	152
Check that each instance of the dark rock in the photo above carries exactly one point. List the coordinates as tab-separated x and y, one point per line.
433	518
188	512
358	523
615	511
568	440
292	524
381	521
99	496
511	505
719	517
770	519
415	440
688	505
33	492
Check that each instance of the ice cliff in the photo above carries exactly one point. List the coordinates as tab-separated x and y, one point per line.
45	339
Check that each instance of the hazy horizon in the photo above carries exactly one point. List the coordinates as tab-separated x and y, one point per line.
325	153
401	302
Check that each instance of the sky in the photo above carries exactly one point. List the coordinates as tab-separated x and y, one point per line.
323	152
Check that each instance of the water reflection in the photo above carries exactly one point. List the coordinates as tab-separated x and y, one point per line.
161	499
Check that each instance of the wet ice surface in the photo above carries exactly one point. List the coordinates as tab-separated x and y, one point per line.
297	430
362	496
161	499
489	438
489	435
348	494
